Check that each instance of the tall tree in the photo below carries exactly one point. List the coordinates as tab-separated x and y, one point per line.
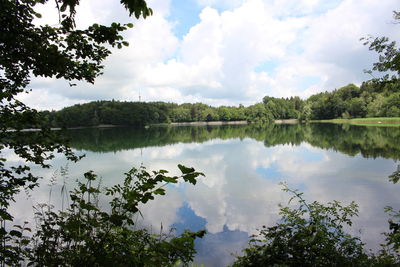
28	50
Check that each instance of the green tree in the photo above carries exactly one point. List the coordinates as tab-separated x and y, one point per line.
306	113
258	113
209	114
391	105
61	52
181	114
374	109
357	107
224	113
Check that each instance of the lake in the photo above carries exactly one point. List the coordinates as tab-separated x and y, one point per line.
243	165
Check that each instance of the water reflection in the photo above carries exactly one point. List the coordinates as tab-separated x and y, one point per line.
243	166
351	140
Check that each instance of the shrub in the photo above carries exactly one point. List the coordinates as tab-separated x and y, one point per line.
311	234
86	235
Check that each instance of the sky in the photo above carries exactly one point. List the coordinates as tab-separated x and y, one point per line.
226	52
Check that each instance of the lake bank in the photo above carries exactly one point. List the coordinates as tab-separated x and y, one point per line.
200	123
382	121
288	121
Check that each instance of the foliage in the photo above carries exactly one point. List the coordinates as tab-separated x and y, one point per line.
372	99
62	52
84	234
142	113
389	54
258	113
395	176
392	246
87	235
312	234
139	113
389	63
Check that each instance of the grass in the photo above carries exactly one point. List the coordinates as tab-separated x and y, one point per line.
382	121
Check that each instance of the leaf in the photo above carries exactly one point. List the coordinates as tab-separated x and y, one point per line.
116	219
159	191
25	242
171	179
15	233
395	177
191	178
38	15
184	169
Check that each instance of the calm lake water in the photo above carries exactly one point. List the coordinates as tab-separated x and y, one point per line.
244	165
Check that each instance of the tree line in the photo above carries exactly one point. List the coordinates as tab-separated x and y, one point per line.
371	99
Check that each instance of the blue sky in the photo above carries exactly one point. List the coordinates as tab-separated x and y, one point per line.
227	52
185	14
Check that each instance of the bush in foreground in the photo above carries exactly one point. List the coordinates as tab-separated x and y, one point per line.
86	235
312	234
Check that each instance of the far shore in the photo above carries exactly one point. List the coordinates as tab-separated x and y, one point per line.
289	121
383	121
200	123
71	128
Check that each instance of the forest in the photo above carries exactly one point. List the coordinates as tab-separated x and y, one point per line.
371	99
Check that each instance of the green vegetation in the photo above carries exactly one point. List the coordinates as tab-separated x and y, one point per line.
382	121
313	234
141	113
372	99
61	52
88	235
389	54
84	234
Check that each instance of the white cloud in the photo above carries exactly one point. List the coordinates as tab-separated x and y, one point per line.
330	49
220	60
162	211
44	99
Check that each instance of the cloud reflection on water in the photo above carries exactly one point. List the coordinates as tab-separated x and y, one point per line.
240	192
